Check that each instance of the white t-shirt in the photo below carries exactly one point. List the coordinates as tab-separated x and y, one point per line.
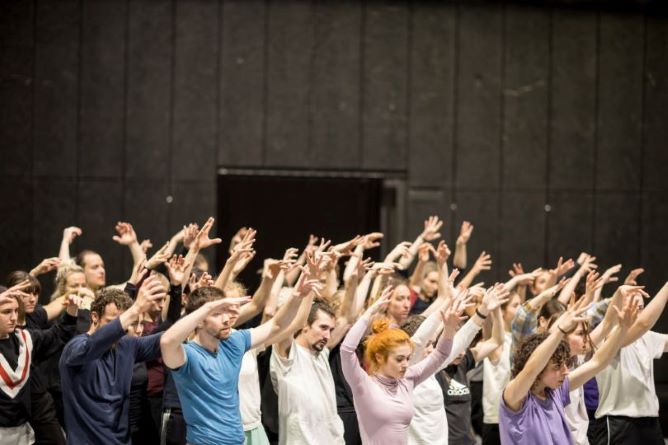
494	379
430	423
306	399
626	385
576	414
249	391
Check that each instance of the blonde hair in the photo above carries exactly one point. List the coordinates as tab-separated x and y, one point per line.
382	340
64	271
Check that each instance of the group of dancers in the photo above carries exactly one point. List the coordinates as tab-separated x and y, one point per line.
331	348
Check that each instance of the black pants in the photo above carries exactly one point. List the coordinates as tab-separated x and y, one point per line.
173	428
351	429
490	434
620	430
44	421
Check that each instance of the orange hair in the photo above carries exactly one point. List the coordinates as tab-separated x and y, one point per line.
382	340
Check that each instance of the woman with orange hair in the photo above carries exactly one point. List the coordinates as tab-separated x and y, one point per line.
382	397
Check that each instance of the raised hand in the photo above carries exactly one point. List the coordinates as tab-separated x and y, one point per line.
385	268
202	240
609	275
272	268
371	240
400	250
465	233
139	271
312	244
305	285
189	234
176	268
442	253
494	297
484	262
527	278
205	280
632	276
45	266
593	283
432	225
346	248
562	268
145	245
628	314
424	252
70	233
126	234
588	264
380	305
158	258
569	320
16	290
453	314
553	290
516	270
150	292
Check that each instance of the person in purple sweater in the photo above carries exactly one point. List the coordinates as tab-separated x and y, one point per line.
532	406
382	397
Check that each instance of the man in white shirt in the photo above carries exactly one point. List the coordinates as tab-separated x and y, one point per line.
303	380
628	402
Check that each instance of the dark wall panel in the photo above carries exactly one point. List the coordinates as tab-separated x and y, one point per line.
521	231
482	209
335	109
430	159
16	204
16	66
100	208
654	240
620	94
103	91
385	85
149	101
479	96
195	90
242	82
570	223
573	100
289	67
421	205
56	89
655	155
616	228
526	78
53	209
17	23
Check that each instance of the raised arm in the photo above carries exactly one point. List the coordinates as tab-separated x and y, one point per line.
611	346
69	234
432	226
270	271
127	237
518	388
171	342
648	316
239	252
459	261
484	262
587	266
45	266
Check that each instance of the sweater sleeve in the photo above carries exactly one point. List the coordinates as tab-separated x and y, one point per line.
462	341
148	348
422	370
85	348
48	341
350	364
423	334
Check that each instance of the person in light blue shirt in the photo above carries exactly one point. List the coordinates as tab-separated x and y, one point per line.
206	369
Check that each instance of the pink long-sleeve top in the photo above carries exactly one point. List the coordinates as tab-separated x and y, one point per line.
384	405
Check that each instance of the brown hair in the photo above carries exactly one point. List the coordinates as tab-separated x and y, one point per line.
201	296
107	296
382	341
560	356
19	276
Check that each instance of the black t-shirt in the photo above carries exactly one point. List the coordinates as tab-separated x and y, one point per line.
457	395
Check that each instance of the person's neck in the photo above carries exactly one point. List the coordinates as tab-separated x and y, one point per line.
301	341
538	390
208	342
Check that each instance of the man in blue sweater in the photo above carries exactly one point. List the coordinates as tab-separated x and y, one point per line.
96	367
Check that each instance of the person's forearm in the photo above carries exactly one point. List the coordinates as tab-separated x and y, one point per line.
569	288
350	290
540	358
272	299
331	284
291	277
355	334
650	315
137	252
361	293
469	277
462	340
416	277
459	260
498	332
64	252
443	283
406	260
181	330
225	275
256	305
353	261
55	308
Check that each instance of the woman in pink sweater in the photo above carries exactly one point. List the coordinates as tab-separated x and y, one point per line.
382	397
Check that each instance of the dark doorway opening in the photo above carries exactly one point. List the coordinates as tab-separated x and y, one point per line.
285	207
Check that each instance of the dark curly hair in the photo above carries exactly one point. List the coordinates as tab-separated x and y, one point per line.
412	324
560	356
110	295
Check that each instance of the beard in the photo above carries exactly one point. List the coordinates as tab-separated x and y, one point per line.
319	346
223	333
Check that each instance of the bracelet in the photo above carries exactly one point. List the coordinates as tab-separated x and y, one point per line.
477	312
562	331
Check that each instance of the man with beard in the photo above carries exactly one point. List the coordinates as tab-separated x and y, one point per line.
206	369
303	379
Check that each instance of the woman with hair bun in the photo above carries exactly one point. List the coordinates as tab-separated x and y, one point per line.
382	397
